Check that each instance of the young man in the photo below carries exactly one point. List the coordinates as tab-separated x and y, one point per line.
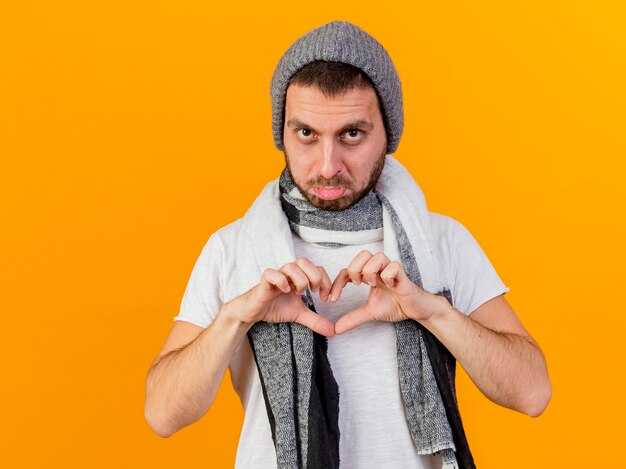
339	302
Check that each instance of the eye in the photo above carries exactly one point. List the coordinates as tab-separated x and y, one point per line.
354	135
304	134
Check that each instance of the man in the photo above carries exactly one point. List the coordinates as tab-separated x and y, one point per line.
355	300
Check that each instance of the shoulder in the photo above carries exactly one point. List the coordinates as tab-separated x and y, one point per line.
224	238
470	274
228	233
215	252
456	244
455	239
203	295
450	236
449	232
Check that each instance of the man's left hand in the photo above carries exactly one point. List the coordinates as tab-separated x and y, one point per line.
393	296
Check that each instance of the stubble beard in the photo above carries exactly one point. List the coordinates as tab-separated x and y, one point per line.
338	181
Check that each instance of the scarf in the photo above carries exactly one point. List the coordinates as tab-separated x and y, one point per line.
300	392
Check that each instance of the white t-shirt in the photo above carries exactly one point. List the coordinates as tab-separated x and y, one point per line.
372	424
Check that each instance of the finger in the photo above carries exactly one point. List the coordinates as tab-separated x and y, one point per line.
392	274
272	277
356	265
371	269
311	271
340	282
325	284
352	319
296	276
315	322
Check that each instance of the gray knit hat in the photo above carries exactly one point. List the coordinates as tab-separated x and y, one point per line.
344	42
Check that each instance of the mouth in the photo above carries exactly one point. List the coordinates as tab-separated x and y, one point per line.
329	193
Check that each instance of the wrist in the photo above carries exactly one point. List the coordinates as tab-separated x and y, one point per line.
437	308
228	314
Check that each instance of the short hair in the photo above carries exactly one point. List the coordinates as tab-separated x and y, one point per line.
334	79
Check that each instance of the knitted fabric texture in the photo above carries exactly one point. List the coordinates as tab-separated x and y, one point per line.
300	392
363	222
340	41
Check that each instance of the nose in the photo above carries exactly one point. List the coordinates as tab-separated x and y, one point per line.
331	161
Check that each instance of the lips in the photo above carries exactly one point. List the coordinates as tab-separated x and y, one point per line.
329	193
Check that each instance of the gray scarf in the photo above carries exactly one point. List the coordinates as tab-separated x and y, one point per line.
301	394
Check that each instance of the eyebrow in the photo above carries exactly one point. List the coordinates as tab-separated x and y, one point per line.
350	125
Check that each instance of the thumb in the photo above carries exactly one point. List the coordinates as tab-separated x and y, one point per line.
352	319
315	322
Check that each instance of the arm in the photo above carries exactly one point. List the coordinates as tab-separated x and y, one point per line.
493	347
497	353
182	383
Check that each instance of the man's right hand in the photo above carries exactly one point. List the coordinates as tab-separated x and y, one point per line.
182	384
276	298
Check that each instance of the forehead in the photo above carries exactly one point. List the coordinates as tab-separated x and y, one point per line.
308	102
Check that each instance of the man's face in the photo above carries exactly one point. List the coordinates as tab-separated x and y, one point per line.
334	147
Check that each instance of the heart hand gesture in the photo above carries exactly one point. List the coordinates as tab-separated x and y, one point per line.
277	297
393	296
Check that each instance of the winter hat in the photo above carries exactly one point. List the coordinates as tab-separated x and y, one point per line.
340	41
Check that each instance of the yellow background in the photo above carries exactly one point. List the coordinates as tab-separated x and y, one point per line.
130	131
